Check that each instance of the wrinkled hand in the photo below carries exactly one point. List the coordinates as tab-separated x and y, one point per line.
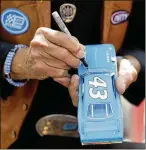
50	54
127	74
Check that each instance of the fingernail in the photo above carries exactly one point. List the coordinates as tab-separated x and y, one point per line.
72	81
81	53
123	88
120	85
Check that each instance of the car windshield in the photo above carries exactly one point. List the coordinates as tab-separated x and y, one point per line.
96	71
99	111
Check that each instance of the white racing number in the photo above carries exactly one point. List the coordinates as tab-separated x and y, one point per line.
98	82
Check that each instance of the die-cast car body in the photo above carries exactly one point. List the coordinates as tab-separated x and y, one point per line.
100	117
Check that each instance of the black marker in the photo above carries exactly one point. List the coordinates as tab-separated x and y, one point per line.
63	28
84	62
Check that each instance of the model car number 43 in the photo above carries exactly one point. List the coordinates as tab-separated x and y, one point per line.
100	117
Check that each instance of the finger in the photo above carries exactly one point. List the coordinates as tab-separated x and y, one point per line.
120	85
73	89
53	50
54	62
82	47
127	74
123	82
65	81
39	40
75	38
43	70
63	40
127	71
61	54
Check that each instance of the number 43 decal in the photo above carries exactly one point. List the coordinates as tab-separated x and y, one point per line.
98	82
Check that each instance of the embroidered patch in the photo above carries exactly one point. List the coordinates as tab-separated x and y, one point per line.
119	17
14	21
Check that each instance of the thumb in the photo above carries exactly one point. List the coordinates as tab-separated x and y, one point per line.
127	74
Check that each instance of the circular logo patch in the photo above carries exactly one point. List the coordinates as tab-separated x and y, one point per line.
119	17
68	12
14	21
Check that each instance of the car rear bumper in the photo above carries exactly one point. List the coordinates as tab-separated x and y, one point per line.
101	141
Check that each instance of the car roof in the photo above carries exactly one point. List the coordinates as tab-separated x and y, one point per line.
108	79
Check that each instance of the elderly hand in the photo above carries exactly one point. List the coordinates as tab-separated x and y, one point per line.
50	54
127	74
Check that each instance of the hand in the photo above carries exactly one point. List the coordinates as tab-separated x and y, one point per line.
50	54
127	74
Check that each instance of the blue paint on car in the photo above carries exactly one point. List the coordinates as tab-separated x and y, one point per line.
100	117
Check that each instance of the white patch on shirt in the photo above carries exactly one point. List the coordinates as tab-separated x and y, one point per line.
14	21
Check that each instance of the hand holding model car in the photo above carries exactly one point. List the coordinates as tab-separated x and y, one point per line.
127	74
100	118
53	53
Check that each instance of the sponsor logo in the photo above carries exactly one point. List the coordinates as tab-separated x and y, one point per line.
14	21
119	17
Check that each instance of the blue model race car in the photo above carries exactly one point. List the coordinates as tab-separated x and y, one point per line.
100	118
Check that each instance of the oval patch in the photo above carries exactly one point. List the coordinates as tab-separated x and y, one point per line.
14	21
119	17
70	126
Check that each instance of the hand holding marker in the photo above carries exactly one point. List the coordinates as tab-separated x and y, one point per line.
63	28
